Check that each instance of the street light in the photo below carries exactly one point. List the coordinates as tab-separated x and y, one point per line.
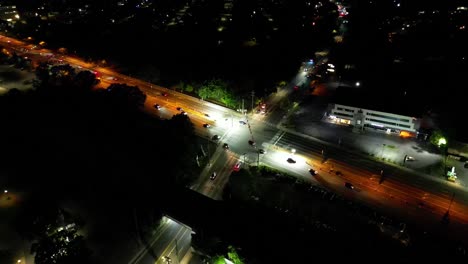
442	141
358	84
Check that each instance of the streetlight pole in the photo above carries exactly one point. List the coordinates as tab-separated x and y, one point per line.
446	217
177	251
383	146
253	95
258	158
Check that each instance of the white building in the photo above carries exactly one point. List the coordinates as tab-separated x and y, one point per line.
364	118
8	13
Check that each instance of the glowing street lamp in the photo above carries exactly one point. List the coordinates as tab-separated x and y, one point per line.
442	141
358	84
293	151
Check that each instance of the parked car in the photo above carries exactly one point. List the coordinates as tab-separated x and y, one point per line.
216	137
290	160
349	185
237	167
157	106
313	172
261	151
242	122
251	142
226	146
206	125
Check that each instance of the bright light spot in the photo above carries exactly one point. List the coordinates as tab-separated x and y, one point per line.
5	191
18	261
331	65
358	84
293	151
405	134
331	70
442	141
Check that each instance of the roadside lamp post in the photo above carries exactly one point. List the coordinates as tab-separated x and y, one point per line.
383	147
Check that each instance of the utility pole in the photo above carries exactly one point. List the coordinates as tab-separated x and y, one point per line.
383	146
242	106
258	158
253	95
177	251
446	217
450	205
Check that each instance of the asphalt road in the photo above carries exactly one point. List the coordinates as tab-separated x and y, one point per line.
171	240
412	195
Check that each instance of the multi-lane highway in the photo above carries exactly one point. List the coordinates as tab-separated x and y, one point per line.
408	194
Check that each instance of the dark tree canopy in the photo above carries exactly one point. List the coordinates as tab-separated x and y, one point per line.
92	146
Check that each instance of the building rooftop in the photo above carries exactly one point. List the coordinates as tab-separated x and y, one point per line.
395	103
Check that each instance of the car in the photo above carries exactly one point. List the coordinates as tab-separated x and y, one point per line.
157	106
251	142
213	176
179	108
226	146
290	160
261	151
242	122
164	94
313	172
206	125
237	167
207	115
183	112
216	137
349	185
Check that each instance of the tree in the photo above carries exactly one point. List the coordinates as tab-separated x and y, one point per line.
61	75
438	139
218	90
234	256
85	80
53	77
189	88
54	232
65	247
149	73
6	256
128	96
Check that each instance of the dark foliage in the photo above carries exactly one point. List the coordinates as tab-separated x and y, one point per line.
66	141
